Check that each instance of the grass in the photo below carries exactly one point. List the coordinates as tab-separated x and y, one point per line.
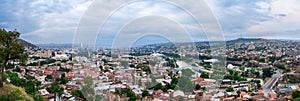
10	92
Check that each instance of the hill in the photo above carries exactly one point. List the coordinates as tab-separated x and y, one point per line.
10	92
27	44
247	40
239	40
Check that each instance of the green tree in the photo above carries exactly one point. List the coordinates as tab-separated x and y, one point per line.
10	49
49	77
204	75
77	93
30	84
257	83
17	69
174	80
62	80
145	93
105	61
158	86
169	86
131	95
286	70
56	89
238	92
229	89
203	88
280	66
64	69
133	98
174	55
147	69
197	87
38	98
267	72
118	92
296	94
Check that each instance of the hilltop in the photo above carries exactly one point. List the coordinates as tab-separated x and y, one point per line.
27	44
247	40
239	40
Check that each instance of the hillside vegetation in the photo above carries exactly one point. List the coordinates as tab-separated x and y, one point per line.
10	92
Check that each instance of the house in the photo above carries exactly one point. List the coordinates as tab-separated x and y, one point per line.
43	92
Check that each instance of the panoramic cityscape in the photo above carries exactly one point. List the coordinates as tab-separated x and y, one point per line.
150	50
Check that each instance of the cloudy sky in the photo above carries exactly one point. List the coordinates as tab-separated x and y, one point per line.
56	21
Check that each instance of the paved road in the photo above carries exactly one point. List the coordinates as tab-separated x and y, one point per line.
267	87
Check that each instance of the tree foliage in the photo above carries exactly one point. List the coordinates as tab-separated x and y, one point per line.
30	84
174	55
77	93
204	75
267	72
55	88
197	87
234	75
145	93
229	89
158	86
296	94
10	49
171	63
131	95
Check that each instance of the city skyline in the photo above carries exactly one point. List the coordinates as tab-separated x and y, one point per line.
149	50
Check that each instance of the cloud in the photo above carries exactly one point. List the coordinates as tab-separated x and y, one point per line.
183	14
151	25
55	21
15	15
143	9
43	21
235	16
285	19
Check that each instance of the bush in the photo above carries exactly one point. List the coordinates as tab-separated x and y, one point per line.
145	93
204	75
229	89
38	98
296	94
77	93
10	92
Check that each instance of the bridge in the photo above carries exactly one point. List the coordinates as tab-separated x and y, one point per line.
267	87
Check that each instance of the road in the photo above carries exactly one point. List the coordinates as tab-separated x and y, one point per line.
267	87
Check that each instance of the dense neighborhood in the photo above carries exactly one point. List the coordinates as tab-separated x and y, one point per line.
256	69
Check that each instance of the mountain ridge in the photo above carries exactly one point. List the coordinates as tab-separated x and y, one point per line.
26	43
69	45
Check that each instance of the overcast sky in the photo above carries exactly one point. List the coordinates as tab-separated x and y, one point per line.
55	21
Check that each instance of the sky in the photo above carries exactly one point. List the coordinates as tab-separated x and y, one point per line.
56	21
